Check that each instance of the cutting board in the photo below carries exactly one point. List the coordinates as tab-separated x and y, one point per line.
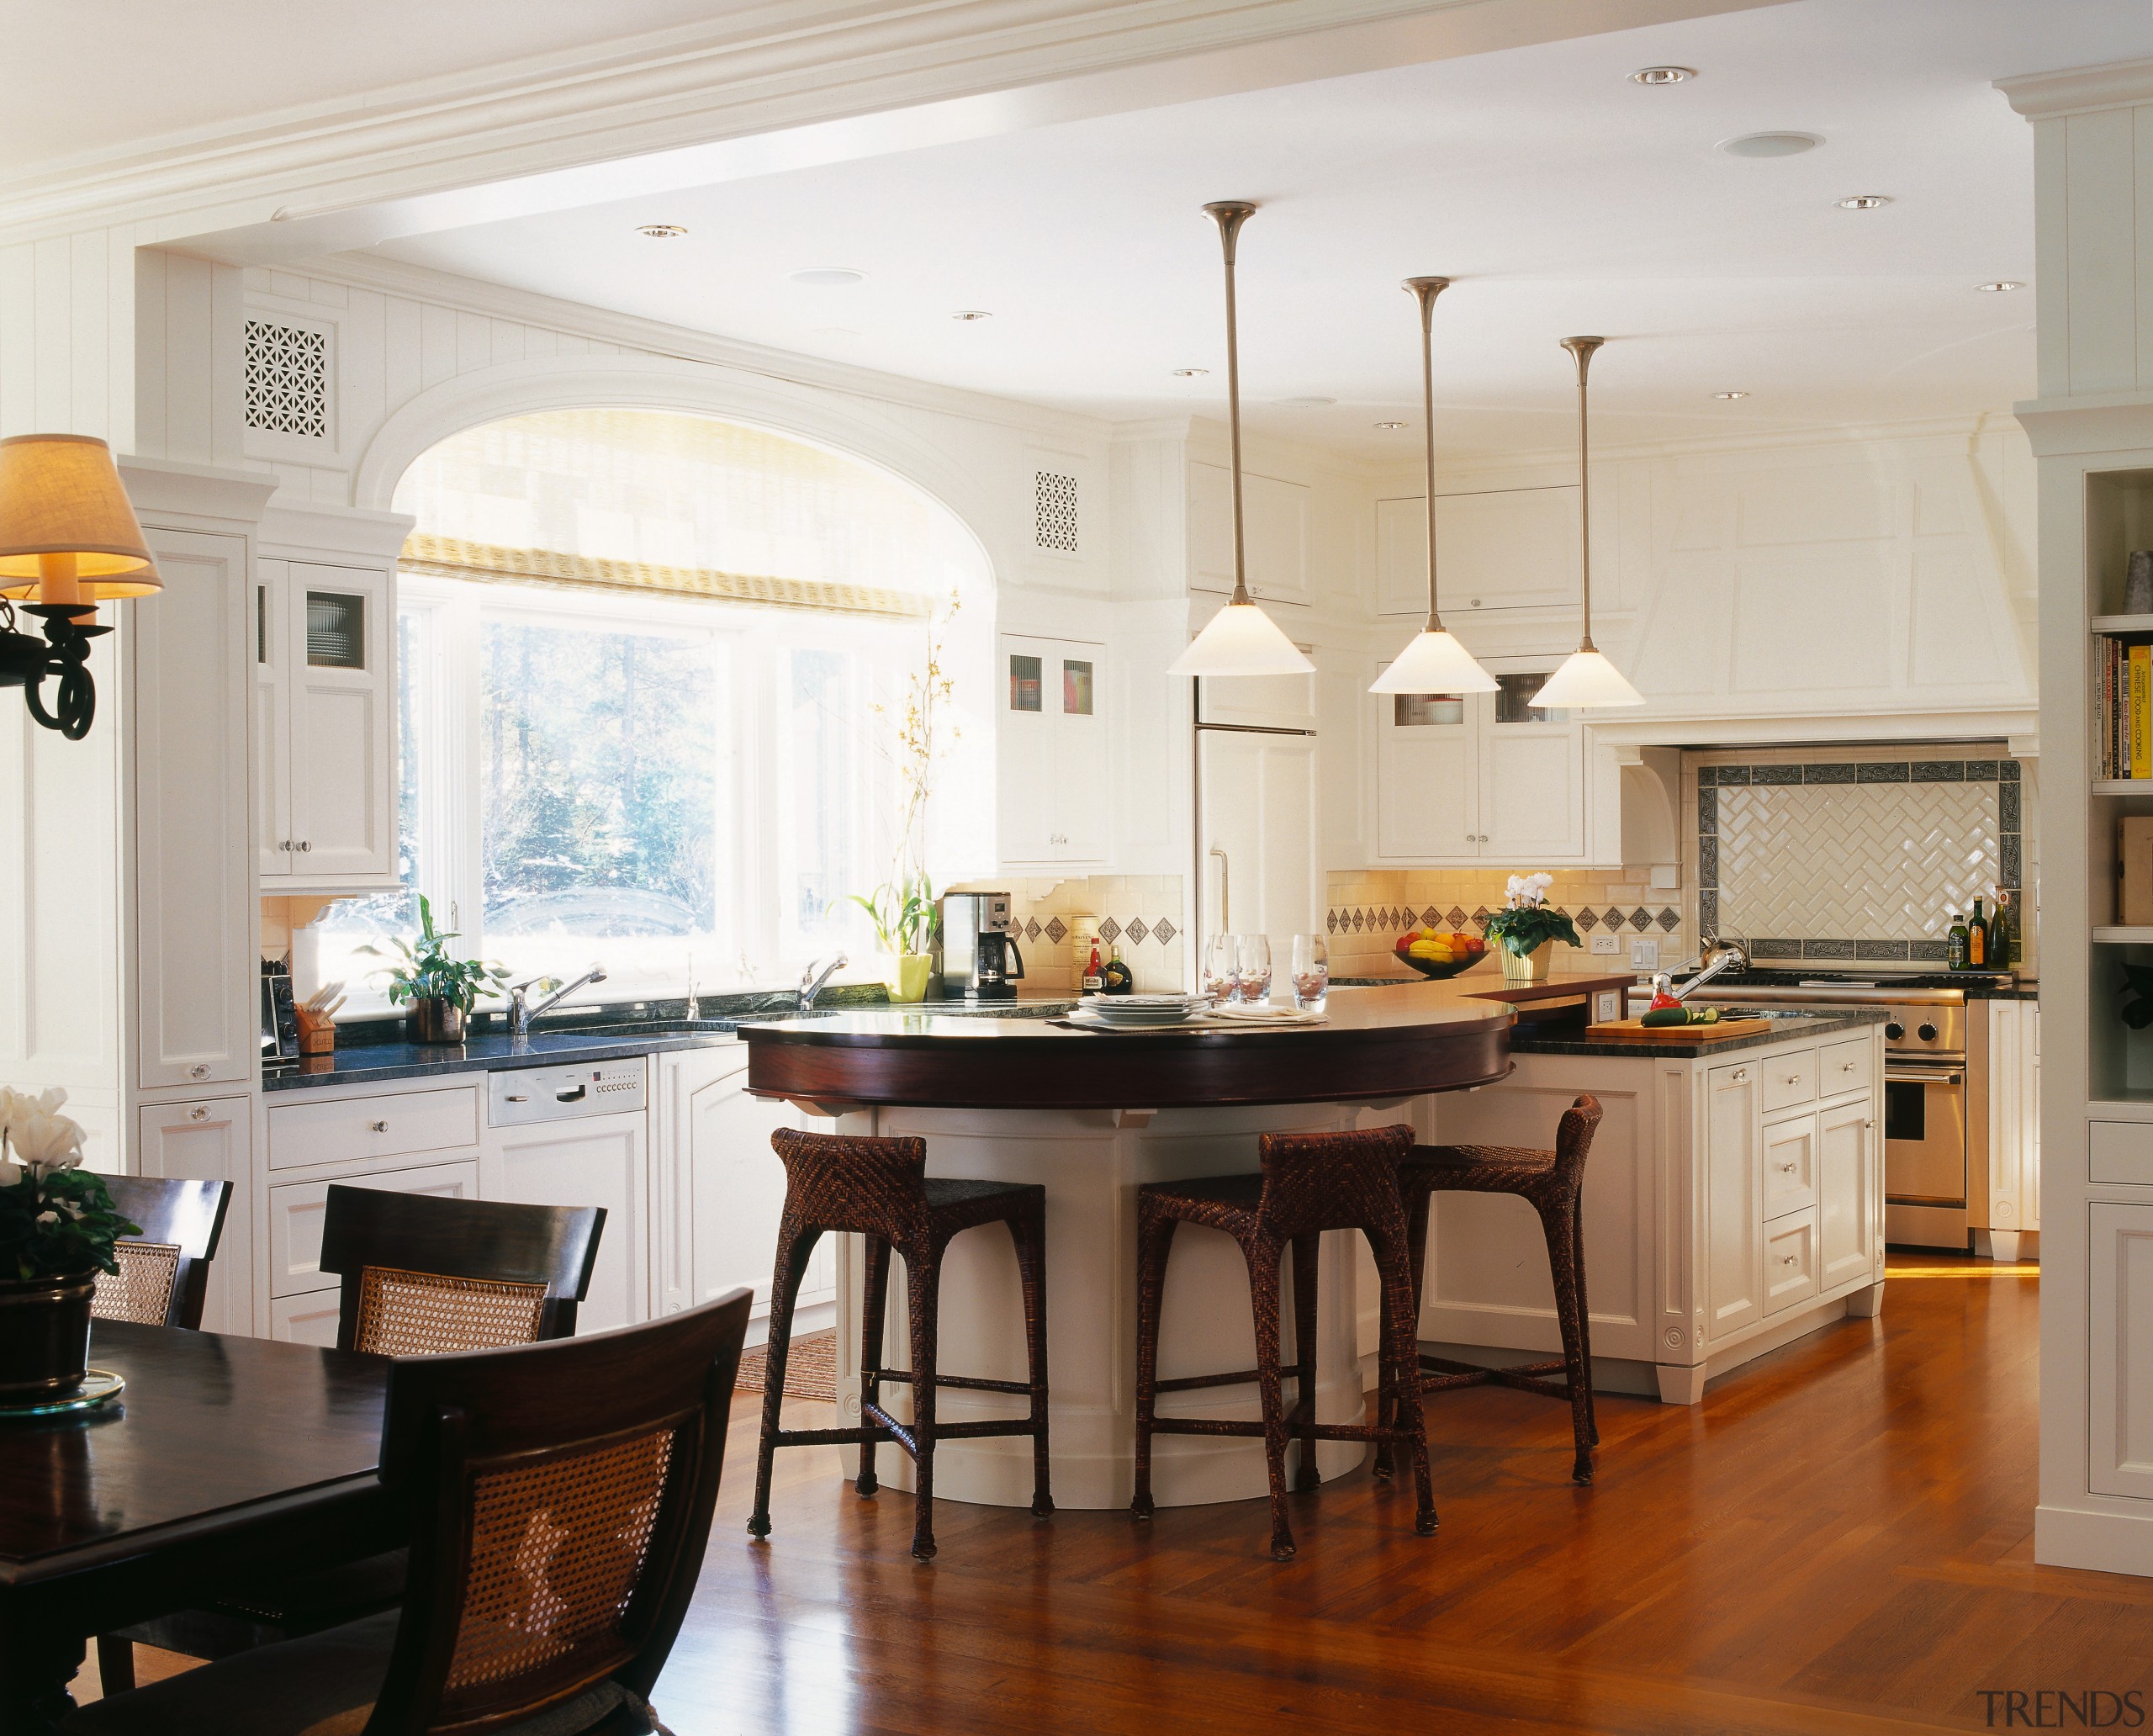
1629	1030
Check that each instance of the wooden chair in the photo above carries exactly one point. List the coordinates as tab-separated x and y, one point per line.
422	1275
560	1499
164	1273
1310	1182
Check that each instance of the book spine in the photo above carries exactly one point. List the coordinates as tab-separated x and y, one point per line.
2141	711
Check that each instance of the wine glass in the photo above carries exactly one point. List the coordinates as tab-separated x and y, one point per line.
1252	968
1219	954
1311	972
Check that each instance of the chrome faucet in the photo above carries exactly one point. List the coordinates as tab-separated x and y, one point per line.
811	980
1724	957
521	1012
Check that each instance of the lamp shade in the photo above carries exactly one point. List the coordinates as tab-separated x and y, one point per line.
68	531
1585	680
1241	640
1434	662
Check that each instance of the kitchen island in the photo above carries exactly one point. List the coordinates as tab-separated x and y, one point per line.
1092	1116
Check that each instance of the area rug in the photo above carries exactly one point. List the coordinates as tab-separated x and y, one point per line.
810	1372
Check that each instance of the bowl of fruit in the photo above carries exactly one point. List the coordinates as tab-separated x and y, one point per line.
1434	953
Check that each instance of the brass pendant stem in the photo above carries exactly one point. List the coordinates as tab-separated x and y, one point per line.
1582	349
1230	215
1425	290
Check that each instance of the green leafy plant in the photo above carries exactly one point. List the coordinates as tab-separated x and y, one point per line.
1525	923
56	1218
903	912
430	972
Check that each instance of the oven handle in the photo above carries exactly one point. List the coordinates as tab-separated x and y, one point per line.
1925	1076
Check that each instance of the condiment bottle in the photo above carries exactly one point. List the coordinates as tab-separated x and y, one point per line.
1956	944
1091	970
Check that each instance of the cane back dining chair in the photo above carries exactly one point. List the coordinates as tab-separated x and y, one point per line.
164	1270
560	1498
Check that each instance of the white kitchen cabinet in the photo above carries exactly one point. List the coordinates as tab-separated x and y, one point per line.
211	1140
1849	1230
297	1209
1790	1166
1496	549
2120	1365
1051	763
312	1318
325	726
1468	777
1734	1218
194	942
602	1161
1274	520
2007	1126
1261	807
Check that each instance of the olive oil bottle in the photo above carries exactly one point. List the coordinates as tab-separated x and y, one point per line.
1957	943
1977	939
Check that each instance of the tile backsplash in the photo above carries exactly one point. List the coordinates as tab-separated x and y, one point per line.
1141	914
1367	910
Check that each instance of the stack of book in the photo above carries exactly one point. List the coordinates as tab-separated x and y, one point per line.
2124	746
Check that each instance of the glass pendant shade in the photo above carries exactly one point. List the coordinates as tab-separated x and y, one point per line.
1586	680
1241	640
68	533
1434	662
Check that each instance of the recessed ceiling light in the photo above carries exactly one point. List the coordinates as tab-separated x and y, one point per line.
829	277
2001	286
661	231
969	315
1305	403
1730	396
1865	202
1771	143
1190	372
1390	427
1663	75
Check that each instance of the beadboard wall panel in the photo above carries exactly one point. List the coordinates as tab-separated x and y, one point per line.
67	362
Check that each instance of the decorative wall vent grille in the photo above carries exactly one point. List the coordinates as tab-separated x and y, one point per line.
1053	512
287	379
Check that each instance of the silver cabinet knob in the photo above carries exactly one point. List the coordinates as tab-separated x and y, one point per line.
198	1113
305	845
200	1070
1848	1067
1794	1078
1789	1169
378	1126
286	845
1790	1259
1742	1076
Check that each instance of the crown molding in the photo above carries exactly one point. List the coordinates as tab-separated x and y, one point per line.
2080	90
632	331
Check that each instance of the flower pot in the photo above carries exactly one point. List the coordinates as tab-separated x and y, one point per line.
45	1333
905	974
1533	968
435	1021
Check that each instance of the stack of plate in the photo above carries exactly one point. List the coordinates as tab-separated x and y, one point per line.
1141	1012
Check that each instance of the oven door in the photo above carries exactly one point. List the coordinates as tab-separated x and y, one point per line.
1925	1133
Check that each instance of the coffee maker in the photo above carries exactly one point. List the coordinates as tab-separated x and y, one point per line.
975	956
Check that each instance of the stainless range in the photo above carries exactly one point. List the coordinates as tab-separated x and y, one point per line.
1926	1089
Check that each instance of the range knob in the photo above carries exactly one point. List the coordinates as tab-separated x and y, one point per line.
1894	1031
1927	1033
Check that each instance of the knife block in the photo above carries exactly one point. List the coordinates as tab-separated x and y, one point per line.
317	1032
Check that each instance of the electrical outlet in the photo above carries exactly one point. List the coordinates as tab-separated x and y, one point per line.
1644	954
1607	943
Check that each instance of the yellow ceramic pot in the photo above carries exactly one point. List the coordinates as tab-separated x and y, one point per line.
1533	968
904	975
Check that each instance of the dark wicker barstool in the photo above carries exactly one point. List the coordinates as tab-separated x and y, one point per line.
1550	1183
1310	1182
879	1188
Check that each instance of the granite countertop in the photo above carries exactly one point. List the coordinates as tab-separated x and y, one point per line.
371	1050
1975	985
1787	1027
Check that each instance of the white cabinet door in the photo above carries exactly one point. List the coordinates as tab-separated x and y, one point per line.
2120	1365
195	923
1260	806
1790	1166
1428	774
296	1210
268	650
601	1161
1848	1233
1079	760
1051	751
1402	556
211	1142
1506	549
1734	1252
1532	777
308	1318
341	745
1275	520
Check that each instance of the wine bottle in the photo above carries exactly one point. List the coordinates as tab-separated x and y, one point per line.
1977	939
1956	942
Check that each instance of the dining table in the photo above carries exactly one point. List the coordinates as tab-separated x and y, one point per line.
224	1459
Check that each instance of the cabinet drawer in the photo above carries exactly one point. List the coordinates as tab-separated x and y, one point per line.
2121	1151
394	1125
296	1208
1789	1262
1789	1080
306	1320
1848	1067
1790	1166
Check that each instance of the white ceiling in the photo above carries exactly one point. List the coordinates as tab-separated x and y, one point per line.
1560	196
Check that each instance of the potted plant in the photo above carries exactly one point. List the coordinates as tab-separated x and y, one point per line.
903	912
57	1227
441	989
1526	929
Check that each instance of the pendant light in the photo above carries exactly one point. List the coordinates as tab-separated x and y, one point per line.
1586	678
1435	662
1240	639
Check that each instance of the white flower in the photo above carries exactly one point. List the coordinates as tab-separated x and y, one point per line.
48	1217
46	1141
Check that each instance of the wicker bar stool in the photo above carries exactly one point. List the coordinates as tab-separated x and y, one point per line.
879	1188
1550	1182
1310	1182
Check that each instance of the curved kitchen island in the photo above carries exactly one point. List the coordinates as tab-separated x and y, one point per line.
1092	1116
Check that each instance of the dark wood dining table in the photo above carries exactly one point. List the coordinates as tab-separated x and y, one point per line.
225	1459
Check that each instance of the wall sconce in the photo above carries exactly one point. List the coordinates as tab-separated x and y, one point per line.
69	539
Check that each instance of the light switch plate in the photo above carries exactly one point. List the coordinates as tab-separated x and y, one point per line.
1644	954
1607	943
